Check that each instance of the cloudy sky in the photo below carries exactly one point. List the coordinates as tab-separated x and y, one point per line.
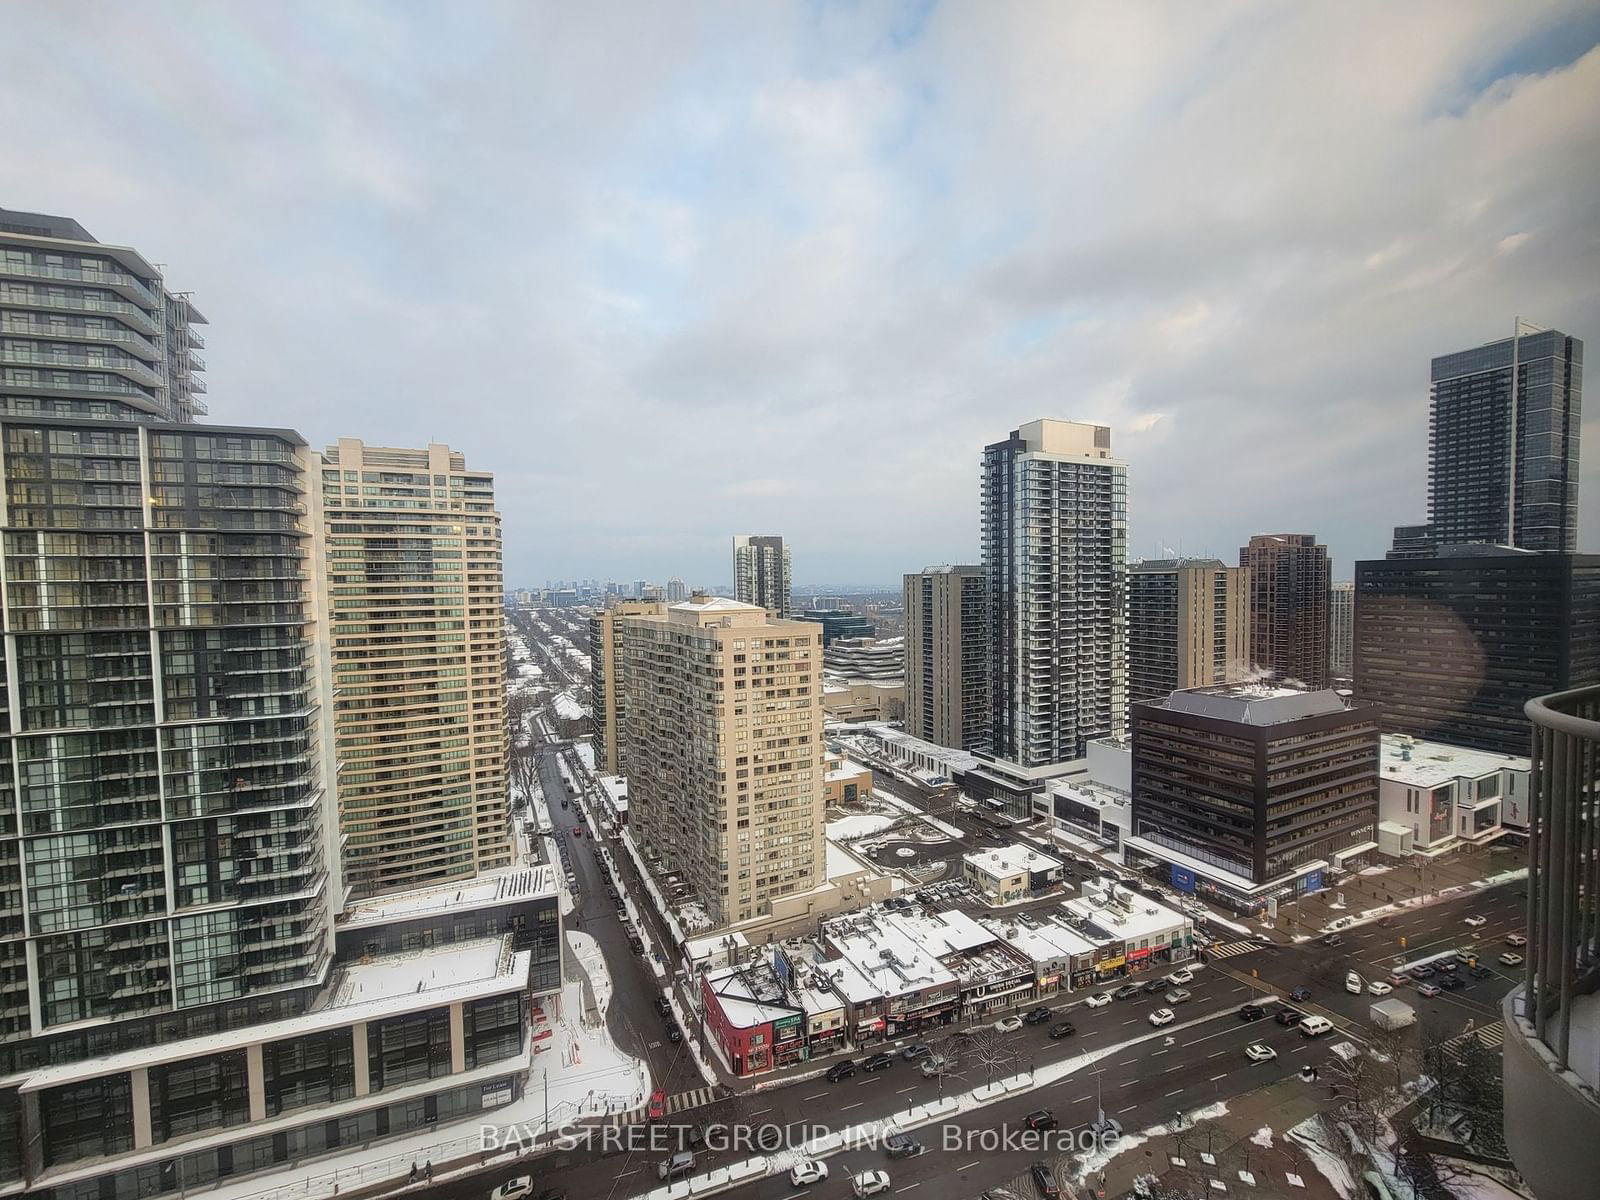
675	271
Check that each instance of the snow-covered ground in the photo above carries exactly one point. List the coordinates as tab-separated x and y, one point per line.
860	825
567	707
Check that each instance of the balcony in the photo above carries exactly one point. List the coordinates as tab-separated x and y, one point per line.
1552	1045
45	299
123	284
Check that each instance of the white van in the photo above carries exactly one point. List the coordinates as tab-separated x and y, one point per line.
1353	983
1315	1026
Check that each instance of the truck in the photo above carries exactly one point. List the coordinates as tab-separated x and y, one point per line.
1391	1014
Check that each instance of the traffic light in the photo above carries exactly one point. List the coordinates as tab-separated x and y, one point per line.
1402	941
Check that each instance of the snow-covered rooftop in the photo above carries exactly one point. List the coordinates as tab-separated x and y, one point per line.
1010	860
1253	703
1141	918
501	887
1428	764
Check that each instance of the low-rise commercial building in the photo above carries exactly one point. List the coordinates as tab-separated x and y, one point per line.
1447	795
1008	873
845	782
863	699
751	1019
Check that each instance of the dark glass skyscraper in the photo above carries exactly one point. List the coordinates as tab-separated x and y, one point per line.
1503	442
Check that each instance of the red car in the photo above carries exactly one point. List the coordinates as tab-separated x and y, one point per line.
577	831
658	1105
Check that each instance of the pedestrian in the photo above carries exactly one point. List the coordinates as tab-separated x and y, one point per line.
427	1170
413	1171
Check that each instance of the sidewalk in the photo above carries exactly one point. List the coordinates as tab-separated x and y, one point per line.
1251	1137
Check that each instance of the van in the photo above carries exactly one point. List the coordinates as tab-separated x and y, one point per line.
1353	984
1315	1026
679	1165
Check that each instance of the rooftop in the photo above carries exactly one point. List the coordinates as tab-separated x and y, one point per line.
1011	860
1121	913
502	887
1253	703
1418	763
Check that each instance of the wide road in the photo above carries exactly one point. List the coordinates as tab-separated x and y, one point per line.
1146	1083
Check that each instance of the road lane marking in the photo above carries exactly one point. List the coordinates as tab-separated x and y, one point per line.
1081	1099
901	1092
761	1112
1174	1092
970	1165
814	1096
1214	1078
907	1188
848	1107
1218	1054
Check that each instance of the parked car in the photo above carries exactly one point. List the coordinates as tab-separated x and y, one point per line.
1008	1024
1040	1118
1127	991
1476	922
1162	1016
876	1062
870	1183
658	1105
1479	971
1259	1052
677	1166
1452	983
635	944
1288	1016
808	1171
1428	990
1424	971
1509	959
1044	1179
899	1145
1062	1029
841	1070
663	1006
1036	1016
514	1189
1379	988
1300	993
1098	1000
674	1032
1177	995
1251	1012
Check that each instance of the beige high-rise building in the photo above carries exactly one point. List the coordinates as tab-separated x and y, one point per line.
722	736
947	657
605	678
415	597
1188	625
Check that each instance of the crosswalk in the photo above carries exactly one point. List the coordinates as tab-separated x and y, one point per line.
1492	1035
1229	949
681	1102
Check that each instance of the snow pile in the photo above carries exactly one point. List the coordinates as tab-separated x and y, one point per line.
1263	1137
692	917
859	825
1308	1137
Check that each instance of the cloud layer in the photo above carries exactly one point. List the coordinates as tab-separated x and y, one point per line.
679	271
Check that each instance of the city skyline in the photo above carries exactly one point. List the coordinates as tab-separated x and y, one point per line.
858	218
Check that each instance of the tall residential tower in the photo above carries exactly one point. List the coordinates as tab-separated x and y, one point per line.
761	572
1055	533
413	561
1289	580
605	678
947	657
1187	625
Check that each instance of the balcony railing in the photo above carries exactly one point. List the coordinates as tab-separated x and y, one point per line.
1563	959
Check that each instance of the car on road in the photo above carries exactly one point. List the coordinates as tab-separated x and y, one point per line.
1044	1179
1476	922
1315	1026
1098	1000
1479	971
1152	986
1251	1012
1452	983
1259	1052
1107	1129
1162	1016
876	1062
1036	1016
1379	988
1008	1024
658	1105
1177	995
1062	1029
1422	972
577	831
1516	939
677	1166
1040	1118
870	1183
1399	978
1427	989
663	1006
807	1171
1509	959
1353	983
565	803
934	1064
1300	993
1128	991
674	1032
514	1189
635	944
1332	939
1288	1016
915	1051
899	1145
841	1070
1181	977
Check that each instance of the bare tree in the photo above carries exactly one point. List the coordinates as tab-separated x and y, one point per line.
985	1050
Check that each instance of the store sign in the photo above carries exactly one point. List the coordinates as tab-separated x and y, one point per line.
497	1093
1183	879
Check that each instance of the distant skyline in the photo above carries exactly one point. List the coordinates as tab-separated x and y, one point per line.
789	267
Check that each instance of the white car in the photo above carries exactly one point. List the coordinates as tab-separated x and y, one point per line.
1257	1052
1008	1024
1099	1000
1378	988
870	1183
1516	939
1177	995
1477	922
1509	959
1182	977
1162	1016
513	1189
809	1171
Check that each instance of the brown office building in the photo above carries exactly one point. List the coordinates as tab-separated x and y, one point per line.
947	657
1289	581
1188	620
605	678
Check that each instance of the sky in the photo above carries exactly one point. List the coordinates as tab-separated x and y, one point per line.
679	271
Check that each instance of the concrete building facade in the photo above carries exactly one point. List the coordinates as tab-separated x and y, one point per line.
761	573
412	539
1289	581
947	656
1188	621
605	679
722	736
1341	630
1055	560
